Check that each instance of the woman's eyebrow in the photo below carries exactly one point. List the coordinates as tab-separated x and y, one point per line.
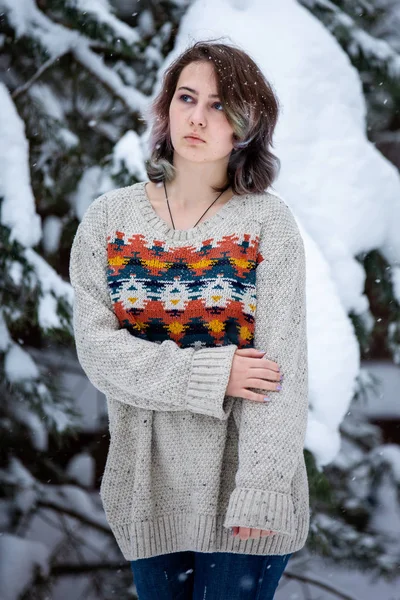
184	87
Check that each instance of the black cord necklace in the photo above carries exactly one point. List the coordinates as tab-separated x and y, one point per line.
173	224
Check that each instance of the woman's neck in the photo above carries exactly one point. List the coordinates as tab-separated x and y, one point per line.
193	183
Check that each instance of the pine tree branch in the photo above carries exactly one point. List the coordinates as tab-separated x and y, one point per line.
25	86
39	26
134	100
320	584
99	127
366	52
94	13
362	6
65	510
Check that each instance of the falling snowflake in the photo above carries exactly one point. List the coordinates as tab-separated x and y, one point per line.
246	582
184	576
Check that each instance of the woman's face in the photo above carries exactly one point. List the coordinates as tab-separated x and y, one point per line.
195	109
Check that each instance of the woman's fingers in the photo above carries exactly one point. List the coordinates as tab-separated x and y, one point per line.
270	364
246	533
253	352
267	374
263	384
250	352
250	369
249	395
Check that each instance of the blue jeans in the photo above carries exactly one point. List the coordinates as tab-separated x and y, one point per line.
208	576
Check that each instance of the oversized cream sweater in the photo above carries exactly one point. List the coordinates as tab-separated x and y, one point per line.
158	315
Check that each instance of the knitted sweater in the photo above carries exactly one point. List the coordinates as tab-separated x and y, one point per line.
158	315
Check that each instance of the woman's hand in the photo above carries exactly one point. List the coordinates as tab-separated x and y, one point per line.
246	533
248	370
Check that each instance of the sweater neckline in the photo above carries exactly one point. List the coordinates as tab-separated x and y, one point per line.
158	224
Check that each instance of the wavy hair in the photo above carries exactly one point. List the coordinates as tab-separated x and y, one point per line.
251	107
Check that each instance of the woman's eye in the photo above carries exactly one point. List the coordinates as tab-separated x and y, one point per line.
183	97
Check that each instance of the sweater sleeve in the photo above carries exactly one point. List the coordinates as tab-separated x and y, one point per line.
132	370
272	434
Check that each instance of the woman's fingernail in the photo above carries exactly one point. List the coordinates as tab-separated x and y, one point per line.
278	387
266	399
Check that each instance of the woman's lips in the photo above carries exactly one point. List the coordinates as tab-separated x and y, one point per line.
194	140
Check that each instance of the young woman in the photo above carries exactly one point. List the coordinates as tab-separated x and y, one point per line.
190	316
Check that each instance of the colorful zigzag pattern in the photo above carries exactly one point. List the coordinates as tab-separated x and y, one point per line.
195	296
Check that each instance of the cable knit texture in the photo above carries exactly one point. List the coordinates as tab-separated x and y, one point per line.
158	316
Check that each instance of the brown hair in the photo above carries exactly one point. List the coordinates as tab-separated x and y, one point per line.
251	108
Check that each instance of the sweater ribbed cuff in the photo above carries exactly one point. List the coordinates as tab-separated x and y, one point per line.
260	509
209	377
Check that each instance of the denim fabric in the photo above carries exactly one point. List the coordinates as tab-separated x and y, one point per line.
208	576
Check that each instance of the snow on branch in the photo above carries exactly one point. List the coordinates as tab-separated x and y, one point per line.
102	11
53	287
358	44
57	40
27	20
18	209
134	100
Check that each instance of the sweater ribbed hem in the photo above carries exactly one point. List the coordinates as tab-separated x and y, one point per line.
260	509
209	377
199	533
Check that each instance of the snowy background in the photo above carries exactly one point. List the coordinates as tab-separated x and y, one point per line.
345	194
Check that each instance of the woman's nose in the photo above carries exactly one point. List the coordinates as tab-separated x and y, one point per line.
198	115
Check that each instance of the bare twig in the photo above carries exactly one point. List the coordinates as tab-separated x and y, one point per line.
89	567
76	515
321	584
25	86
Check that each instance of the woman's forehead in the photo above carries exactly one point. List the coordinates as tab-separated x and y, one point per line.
196	71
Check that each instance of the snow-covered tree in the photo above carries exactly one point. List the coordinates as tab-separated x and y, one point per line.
368	33
77	79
